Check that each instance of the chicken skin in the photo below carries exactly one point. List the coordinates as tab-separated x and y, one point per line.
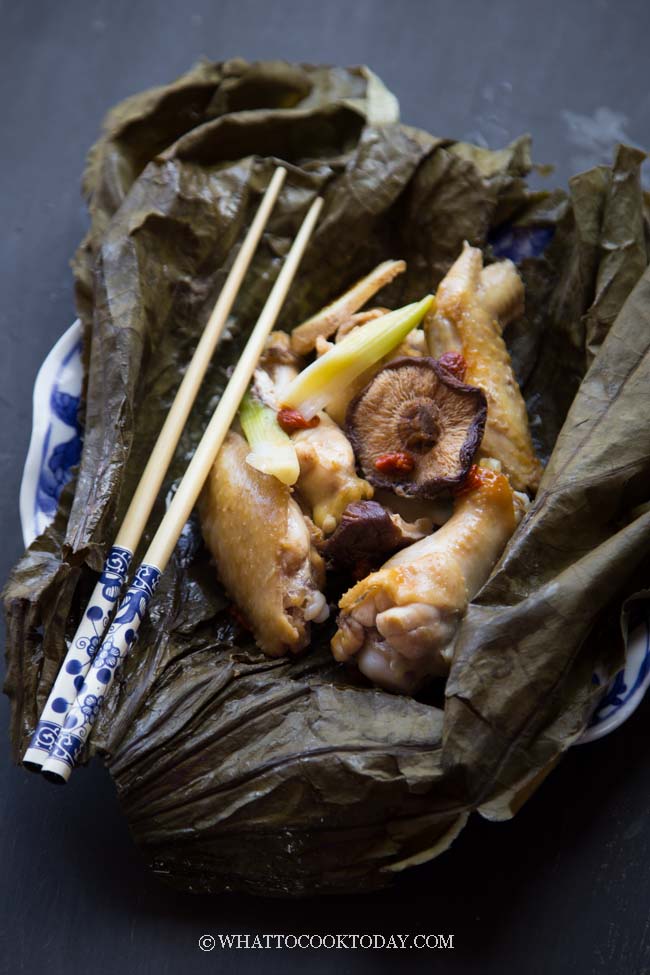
399	623
502	292
465	321
263	549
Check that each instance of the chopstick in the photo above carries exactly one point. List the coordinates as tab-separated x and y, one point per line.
114	574
123	632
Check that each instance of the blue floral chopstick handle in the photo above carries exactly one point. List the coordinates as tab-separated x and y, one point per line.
80	655
121	636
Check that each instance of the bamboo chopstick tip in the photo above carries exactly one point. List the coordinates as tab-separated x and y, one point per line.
312	215
279	176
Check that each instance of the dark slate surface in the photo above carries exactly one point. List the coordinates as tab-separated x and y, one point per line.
565	887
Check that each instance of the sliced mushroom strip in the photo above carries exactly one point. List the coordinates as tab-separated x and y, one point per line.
325	322
367	534
462	322
398	624
263	550
415	428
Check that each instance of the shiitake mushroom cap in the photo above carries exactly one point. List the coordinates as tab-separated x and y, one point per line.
415	407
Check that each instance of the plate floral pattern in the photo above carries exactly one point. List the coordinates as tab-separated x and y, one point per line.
56	441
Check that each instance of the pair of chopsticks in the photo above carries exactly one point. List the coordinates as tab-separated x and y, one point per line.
93	659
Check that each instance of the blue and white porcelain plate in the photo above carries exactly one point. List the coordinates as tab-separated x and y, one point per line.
55	445
55	449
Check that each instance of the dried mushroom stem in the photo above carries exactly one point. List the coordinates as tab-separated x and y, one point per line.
279	362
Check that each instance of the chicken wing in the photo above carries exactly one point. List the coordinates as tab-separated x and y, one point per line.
502	292
263	550
463	321
399	622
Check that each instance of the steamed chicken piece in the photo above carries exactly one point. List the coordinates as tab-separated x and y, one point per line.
502	292
399	623
464	321
328	480
279	363
263	550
